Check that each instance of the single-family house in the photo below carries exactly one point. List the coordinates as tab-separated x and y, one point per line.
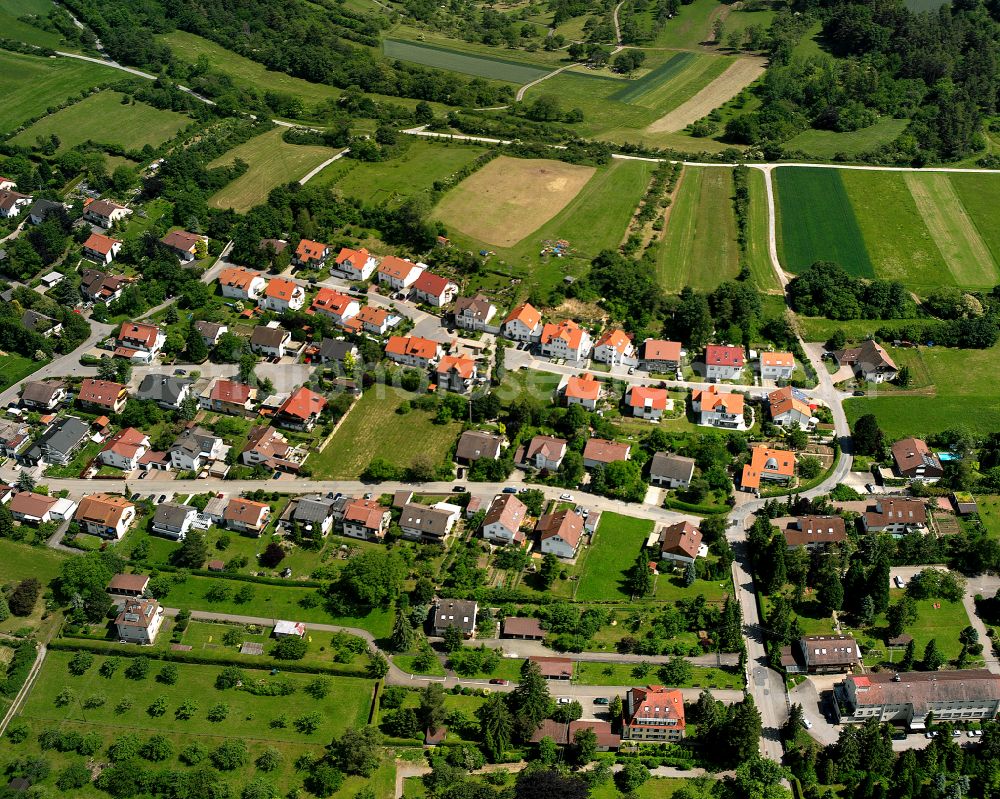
653	714
44	326
124	449
776	365
524	323
584	390
229	396
270	340
272	247
334	305
565	339
459	613
767	463
266	445
12	203
724	362
869	361
165	390
434	289
670	471
680	543
660	356
210	332
502	523
543	453
100	286
647	402
354	264
474	313
315	514
789	407
105	395
104	213
43	395
366	519
336	350
895	516
475	444
60	441
174	521
282	295
456	373
105	515
6	184
560	533
828	654
101	248
301	410
615	348
139	621
247	516
564	733
429	524
194	448
718	409
311	253
185	244
139	343
14	434
241	284
51	279
376	320
815	532
397	273
915	461
27	507
413	351
40	208
601	452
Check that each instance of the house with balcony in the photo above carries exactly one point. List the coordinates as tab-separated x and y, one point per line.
680	543
100	248
718	409
196	448
524	323
398	273
185	245
268	446
584	390
229	396
246	516
789	407
174	521
270	340
414	351
646	402
724	362
474	313
456	373
311	254
139	621
661	357
667	470
102	395
615	348
301	411
896	516
105	515
334	305
776	365
544	453
767	464
366	519
139	343
566	340
354	264
503	520
241	284
104	213
653	714
434	289
98	286
124	449
560	533
282	295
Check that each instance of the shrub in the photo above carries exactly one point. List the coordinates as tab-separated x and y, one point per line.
218	712
80	662
168	675
193	754
230	755
138	669
290	648
73	776
157	749
269	759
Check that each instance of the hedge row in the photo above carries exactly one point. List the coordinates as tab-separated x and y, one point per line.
246	578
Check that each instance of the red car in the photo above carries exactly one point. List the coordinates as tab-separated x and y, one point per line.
498	681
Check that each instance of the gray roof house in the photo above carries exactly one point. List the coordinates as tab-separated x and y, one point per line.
335	350
475	444
41	208
165	390
43	394
671	471
174	521
40	323
430	524
58	444
315	511
459	613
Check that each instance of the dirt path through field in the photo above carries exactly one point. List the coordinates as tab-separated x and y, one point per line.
740	74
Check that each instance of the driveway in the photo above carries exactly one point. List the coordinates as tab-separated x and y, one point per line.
814	696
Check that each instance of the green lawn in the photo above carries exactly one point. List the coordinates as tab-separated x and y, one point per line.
373	429
980	195
691	26
616	543
758	257
272	163
528	383
989	514
654	788
18	561
14	28
30	85
15	368
481	66
819	328
104	119
943	624
595	673
826	144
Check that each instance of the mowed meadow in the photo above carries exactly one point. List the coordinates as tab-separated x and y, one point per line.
925	229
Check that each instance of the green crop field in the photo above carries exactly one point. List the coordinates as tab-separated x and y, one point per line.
817	222
636	89
18	561
29	85
980	195
699	248
828	143
103	118
272	163
373	429
758	256
673	82
424	162
691	26
464	63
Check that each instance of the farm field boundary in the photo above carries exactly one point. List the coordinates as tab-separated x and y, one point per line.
737	76
480	66
634	90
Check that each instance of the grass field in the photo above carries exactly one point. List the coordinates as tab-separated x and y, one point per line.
980	195
618	540
20	561
829	143
508	198
816	221
465	63
758	256
596	673
699	247
942	624
15	368
272	163
14	28
691	27
30	85
373	429
424	162
104	119
677	80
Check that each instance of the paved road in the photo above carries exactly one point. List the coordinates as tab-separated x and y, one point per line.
314	172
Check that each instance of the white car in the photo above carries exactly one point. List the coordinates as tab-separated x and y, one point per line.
566	497
807	724
564	700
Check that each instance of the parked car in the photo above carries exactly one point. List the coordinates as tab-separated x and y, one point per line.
807	724
458	489
499	681
601	700
564	700
510	490
859	393
566	497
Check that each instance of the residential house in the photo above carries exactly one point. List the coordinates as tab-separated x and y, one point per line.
502	523
524	323
273	247
174	521
101	287
104	395
724	362
315	514
105	515
43	395
128	586
271	340
789	407
670	471
215	510
184	244
366	519
284	629
653	714
104	213
334	305
615	348
44	326
565	340
29	508
7	183
681	543
776	365
283	295
475	444
815	532
228	396
912	699
210	332
194	448
139	343
40	208
767	463
554	668
434	289
869	361
51	279
311	253
397	273
456	373
543	453
601	452
525	628
241	284
430	524
660	356
247	516
100	248
355	264
335	350
915	461
647	402
564	734
12	203
474	313
584	390
60	442
139	621
166	391
376	320
301	410
268	446
459	613
124	449
828	654
717	409
895	516
560	533
413	351
14	434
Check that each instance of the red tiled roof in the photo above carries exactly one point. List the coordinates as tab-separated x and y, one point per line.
648	397
126	442
310	250
280	288
603	451
585	387
181	240
682	538
723	355
100	244
235	277
770	461
568	330
356	257
398	268
777	359
335	302
100	392
711	399
245	510
366	512
411	345
303	404
138	333
526	314
657	350
567	524
231	392
616	339
463	365
654	702
431	284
